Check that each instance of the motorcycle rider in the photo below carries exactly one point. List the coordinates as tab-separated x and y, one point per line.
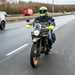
43	11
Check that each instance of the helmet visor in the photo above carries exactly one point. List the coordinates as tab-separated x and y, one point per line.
42	11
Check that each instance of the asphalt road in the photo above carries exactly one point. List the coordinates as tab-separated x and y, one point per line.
15	45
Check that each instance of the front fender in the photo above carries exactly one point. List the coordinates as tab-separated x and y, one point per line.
35	40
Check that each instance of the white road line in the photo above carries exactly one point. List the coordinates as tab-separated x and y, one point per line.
8	55
16	50
25	45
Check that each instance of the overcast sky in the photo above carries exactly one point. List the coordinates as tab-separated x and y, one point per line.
50	1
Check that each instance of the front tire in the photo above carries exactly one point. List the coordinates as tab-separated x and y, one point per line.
34	56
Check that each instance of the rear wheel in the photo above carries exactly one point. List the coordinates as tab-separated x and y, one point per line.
2	26
34	56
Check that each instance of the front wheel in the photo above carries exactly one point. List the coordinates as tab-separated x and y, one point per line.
34	56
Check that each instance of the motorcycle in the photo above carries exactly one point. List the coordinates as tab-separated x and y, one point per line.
40	42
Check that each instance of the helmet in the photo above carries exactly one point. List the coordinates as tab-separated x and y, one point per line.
43	10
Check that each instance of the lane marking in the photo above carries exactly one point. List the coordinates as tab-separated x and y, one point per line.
16	50
25	45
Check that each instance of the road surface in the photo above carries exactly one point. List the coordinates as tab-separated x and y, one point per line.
15	45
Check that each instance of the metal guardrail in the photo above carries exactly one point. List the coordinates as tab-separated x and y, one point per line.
20	17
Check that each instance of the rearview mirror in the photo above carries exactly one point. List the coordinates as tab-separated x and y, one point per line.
27	20
52	20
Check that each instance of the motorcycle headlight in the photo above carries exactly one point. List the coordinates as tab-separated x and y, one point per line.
36	32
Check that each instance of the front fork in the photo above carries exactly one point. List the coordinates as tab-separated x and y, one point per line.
45	43
37	45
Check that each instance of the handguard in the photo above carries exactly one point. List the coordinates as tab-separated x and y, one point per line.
51	27
29	26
